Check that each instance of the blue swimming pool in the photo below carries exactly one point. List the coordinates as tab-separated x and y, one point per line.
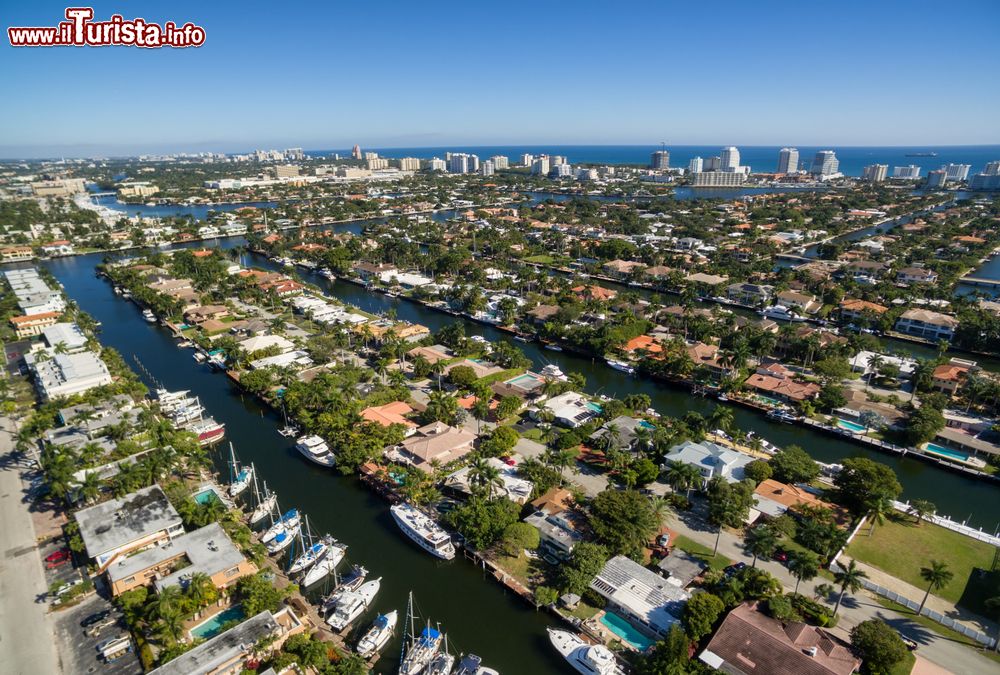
595	407
936	449
212	627
625	631
851	426
206	496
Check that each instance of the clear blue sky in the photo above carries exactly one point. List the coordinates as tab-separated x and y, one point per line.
384	73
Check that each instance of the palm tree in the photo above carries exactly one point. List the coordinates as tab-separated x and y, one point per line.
921	508
200	589
682	476
484	476
722	418
880	509
937	576
480	411
90	488
166	601
761	541
849	579
662	510
560	459
875	361
804	565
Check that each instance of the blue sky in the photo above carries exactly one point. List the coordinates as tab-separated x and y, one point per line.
327	75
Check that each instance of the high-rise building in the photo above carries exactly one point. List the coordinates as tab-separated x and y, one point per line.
500	162
660	160
286	171
564	170
540	167
718	178
875	173
527	159
473	163
729	159
713	164
459	163
295	154
937	179
992	169
371	155
376	163
437	164
695	165
788	160
409	164
487	168
957	172
911	171
825	164
356	152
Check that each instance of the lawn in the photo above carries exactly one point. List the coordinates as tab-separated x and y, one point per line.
901	547
905	666
541	259
703	553
935	627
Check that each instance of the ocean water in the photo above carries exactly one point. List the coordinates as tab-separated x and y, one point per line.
760	158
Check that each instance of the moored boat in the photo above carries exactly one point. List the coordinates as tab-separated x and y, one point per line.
422	529
375	637
622	366
316	449
585	658
353	603
326	564
470	664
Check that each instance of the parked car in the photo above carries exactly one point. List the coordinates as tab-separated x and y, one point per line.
58	556
95	618
781	555
734	568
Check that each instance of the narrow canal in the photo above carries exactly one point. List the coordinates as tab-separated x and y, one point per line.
478	614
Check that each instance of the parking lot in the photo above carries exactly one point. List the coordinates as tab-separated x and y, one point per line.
78	650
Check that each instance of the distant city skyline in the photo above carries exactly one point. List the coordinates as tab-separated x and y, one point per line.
791	74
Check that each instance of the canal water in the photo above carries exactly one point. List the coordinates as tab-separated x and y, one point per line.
476	612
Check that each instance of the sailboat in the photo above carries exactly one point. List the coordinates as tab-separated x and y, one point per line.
265	502
312	550
375	637
284	539
286	523
470	664
353	603
442	663
239	477
326	564
418	650
351	582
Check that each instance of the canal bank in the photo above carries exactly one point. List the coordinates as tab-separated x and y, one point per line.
478	615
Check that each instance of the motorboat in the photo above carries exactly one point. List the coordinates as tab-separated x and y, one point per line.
148	315
353	603
423	530
381	630
584	657
622	366
351	582
208	430
316	449
470	664
782	416
326	564
780	313
552	346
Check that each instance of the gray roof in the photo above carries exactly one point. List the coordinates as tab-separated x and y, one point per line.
706	455
682	567
223	648
208	550
626	427
644	593
118	522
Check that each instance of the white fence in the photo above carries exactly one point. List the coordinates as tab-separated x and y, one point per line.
950	524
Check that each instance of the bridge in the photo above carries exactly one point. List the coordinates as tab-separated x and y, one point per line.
978	281
102	194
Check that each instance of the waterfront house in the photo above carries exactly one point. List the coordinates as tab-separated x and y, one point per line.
926	324
626	429
643	344
512	486
783	388
751	642
773	498
711	459
16	253
593	292
749	294
367	271
803	302
658	272
916	275
479	367
860	311
435	443
705	283
236	649
26	326
554	501
542	313
207	550
260	343
640	596
708	357
197	315
570	409
432	354
621	268
66	374
120	527
949	377
526	386
557	533
389	414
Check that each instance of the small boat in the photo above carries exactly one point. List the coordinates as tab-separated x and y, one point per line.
199	357
185	344
521	338
470	664
782	416
285	523
622	366
265	502
316	449
326	565
723	397
148	315
585	658
208	430
283	539
552	346
351	582
422	529
780	313
381	630
239	477
288	432
353	603
312	550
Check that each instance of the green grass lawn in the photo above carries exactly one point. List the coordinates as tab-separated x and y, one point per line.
703	553
901	547
935	627
905	666
541	259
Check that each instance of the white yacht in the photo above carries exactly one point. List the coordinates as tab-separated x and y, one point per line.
780	313
283	539
584	657
622	366
316	449
266	505
148	315
312	549
422	529
470	664
240	477
326	564
554	372
374	639
351	582
353	603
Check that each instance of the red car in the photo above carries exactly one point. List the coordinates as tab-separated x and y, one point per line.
57	557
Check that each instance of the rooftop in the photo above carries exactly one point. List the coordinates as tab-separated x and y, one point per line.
118	522
642	592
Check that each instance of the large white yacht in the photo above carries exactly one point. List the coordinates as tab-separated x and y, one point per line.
585	658
422	529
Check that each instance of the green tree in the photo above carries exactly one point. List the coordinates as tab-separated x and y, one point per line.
792	464
758	471
668	656
728	504
849	578
701	613
462	376
878	645
921	508
761	541
586	561
624	521
863	483
937	576
804	565
518	537
257	593
924	424
483	521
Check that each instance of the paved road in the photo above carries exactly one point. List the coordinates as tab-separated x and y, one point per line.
27	642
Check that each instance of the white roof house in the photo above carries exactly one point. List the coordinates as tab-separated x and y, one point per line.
641	596
570	409
67	334
259	342
711	459
68	374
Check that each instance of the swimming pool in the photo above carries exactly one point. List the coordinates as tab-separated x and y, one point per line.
625	631
851	426
936	449
206	496
595	407
212	627
524	380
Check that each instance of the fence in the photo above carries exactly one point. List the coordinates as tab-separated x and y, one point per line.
950	524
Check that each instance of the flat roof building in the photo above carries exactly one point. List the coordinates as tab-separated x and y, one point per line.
67	374
641	596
